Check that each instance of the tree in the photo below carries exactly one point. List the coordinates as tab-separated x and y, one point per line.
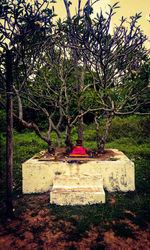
31	36
26	29
53	91
9	147
47	92
72	27
62	61
63	56
116	60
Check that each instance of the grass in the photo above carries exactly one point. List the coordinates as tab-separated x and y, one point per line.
130	135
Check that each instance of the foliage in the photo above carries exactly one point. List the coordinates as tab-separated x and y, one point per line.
2	121
23	21
132	126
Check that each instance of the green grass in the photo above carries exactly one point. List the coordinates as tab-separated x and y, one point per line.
130	135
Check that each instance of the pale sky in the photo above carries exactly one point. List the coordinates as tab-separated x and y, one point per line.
127	8
60	8
130	8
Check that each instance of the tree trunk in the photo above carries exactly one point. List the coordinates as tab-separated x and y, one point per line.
105	134
97	132
68	141
80	89
50	147
9	142
37	131
59	138
80	129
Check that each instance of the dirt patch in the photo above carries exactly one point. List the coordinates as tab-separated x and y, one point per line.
61	154
35	226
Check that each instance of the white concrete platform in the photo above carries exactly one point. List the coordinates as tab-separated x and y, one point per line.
117	175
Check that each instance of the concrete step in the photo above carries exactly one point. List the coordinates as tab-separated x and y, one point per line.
77	180
77	190
77	196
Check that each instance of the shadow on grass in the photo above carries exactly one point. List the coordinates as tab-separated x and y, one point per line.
123	230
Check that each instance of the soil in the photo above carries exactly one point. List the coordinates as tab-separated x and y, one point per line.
61	153
36	227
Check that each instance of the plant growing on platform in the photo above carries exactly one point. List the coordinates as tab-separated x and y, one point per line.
32	38
118	59
70	29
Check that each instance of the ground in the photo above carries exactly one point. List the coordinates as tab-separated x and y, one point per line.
61	153
38	225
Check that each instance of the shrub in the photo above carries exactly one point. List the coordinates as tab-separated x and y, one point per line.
132	126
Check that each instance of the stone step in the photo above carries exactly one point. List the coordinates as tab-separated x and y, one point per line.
78	180
77	190
77	196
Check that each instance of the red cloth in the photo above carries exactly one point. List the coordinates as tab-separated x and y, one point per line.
78	150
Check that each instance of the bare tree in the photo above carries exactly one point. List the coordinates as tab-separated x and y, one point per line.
55	87
74	26
26	29
30	31
9	144
115	59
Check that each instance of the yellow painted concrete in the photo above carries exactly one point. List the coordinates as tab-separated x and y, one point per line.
77	190
75	180
77	196
117	175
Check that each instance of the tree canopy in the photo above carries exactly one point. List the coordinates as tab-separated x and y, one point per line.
68	69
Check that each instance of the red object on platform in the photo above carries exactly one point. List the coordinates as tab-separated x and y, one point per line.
78	151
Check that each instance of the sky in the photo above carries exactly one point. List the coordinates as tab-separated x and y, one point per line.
127	8
60	9
130	8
